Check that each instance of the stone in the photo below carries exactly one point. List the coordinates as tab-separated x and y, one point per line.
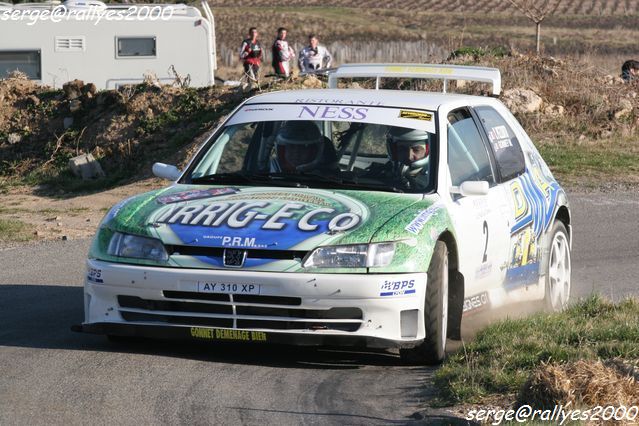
73	89
13	138
312	82
554	110
86	167
522	100
75	105
624	110
33	100
67	122
89	89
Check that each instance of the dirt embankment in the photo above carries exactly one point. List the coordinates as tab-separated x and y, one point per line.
127	129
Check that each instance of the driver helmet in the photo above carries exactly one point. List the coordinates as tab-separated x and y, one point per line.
299	146
408	150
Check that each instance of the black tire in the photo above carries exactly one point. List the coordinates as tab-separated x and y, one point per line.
558	269
432	350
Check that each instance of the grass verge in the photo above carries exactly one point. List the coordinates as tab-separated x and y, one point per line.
593	164
502	356
12	230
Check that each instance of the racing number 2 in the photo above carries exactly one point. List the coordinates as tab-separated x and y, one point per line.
485	231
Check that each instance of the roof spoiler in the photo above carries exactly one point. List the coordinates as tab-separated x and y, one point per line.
431	71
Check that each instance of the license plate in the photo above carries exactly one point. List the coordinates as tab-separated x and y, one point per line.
227	288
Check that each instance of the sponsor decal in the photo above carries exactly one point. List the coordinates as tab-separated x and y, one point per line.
95	275
484	270
416	69
319	112
280	195
476	303
534	196
115	210
499	138
397	287
195	194
357	112
242	214
337	101
415	115
257	109
226	334
417	224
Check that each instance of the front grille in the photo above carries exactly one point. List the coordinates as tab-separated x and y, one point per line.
237	311
250	253
239	298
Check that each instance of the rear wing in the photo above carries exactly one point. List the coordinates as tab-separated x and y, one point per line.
430	71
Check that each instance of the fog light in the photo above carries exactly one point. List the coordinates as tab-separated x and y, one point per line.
408	322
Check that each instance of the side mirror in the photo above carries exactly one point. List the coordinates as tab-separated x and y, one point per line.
166	171
471	187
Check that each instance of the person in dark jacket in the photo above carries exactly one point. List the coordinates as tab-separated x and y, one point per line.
630	71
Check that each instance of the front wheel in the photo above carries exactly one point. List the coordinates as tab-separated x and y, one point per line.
558	269
433	349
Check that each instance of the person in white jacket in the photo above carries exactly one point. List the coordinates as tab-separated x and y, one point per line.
314	56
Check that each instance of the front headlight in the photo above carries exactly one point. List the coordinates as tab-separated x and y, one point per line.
133	246
351	256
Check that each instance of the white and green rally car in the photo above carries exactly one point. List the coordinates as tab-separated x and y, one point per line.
339	216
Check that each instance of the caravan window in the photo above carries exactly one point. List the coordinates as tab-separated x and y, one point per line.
136	46
26	61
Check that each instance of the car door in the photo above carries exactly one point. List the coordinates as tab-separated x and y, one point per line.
524	253
480	221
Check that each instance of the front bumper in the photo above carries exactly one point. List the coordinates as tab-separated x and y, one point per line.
373	310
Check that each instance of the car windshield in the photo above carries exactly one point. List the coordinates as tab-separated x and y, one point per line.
355	150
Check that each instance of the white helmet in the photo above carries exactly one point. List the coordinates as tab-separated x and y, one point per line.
400	141
299	146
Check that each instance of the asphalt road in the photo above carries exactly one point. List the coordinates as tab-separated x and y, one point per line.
51	375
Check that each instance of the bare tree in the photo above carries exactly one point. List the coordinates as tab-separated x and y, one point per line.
536	11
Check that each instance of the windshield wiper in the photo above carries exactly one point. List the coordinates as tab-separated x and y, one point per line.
353	183
245	178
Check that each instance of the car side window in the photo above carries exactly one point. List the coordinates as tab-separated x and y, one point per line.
468	157
505	145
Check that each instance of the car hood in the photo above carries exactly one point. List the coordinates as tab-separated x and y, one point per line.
257	218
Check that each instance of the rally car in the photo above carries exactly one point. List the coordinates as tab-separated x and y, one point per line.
339	216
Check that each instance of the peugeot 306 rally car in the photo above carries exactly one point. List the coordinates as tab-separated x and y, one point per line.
339	216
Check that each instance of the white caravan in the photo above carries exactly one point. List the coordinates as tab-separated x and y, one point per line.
108	45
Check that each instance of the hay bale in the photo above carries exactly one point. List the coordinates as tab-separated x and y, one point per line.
580	383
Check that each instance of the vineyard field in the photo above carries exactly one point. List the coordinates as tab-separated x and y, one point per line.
421	31
566	7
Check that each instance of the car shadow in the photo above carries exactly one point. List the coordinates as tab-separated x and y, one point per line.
40	317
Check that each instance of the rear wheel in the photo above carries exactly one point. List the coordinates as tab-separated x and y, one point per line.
559	269
433	349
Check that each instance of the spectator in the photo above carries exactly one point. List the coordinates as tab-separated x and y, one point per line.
251	54
314	56
282	54
630	70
